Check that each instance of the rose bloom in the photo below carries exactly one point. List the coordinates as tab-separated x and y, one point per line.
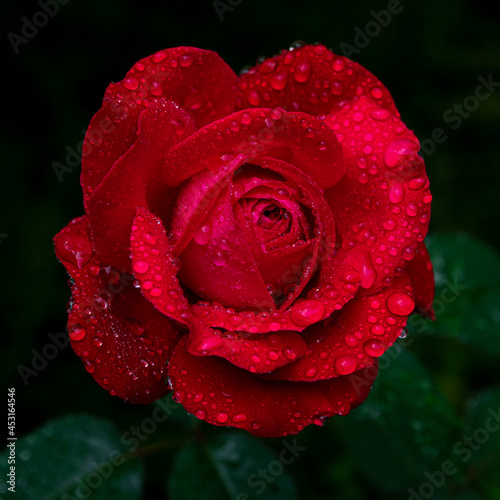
251	243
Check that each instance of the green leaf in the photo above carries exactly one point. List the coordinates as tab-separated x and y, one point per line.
234	466
479	446
467	300
404	428
72	458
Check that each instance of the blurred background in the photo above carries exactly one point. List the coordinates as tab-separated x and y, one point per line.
443	384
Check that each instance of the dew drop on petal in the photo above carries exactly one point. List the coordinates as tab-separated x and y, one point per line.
77	332
203	234
222	417
374	347
307	312
140	267
400	304
344	365
398	151
302	71
201	414
239	417
130	83
179	396
396	193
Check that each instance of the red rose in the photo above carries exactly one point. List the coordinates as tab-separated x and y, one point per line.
253	243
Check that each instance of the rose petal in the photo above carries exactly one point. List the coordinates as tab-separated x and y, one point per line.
299	139
155	267
381	206
364	329
198	80
257	354
134	181
222	394
123	341
310	79
422	277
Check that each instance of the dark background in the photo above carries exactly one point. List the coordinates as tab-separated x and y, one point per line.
430	56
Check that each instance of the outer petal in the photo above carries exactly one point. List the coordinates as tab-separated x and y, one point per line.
364	329
222	394
134	181
420	271
198	80
381	206
123	341
297	138
310	79
255	353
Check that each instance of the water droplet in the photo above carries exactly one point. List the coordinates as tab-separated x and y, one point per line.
344	365
278	81
411	209
400	304
254	97
377	330
222	417
246	118
209	344
358	116
336	88
289	353
380	114
396	193
417	183
390	224
89	367
306	312
159	57
302	71
239	417
197	397
351	340
275	113
338	65
376	92
97	342
130	83
201	414
203	234
185	60
74	248
149	239
179	396
156	292
398	151
77	332
140	267
374	347
311	372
